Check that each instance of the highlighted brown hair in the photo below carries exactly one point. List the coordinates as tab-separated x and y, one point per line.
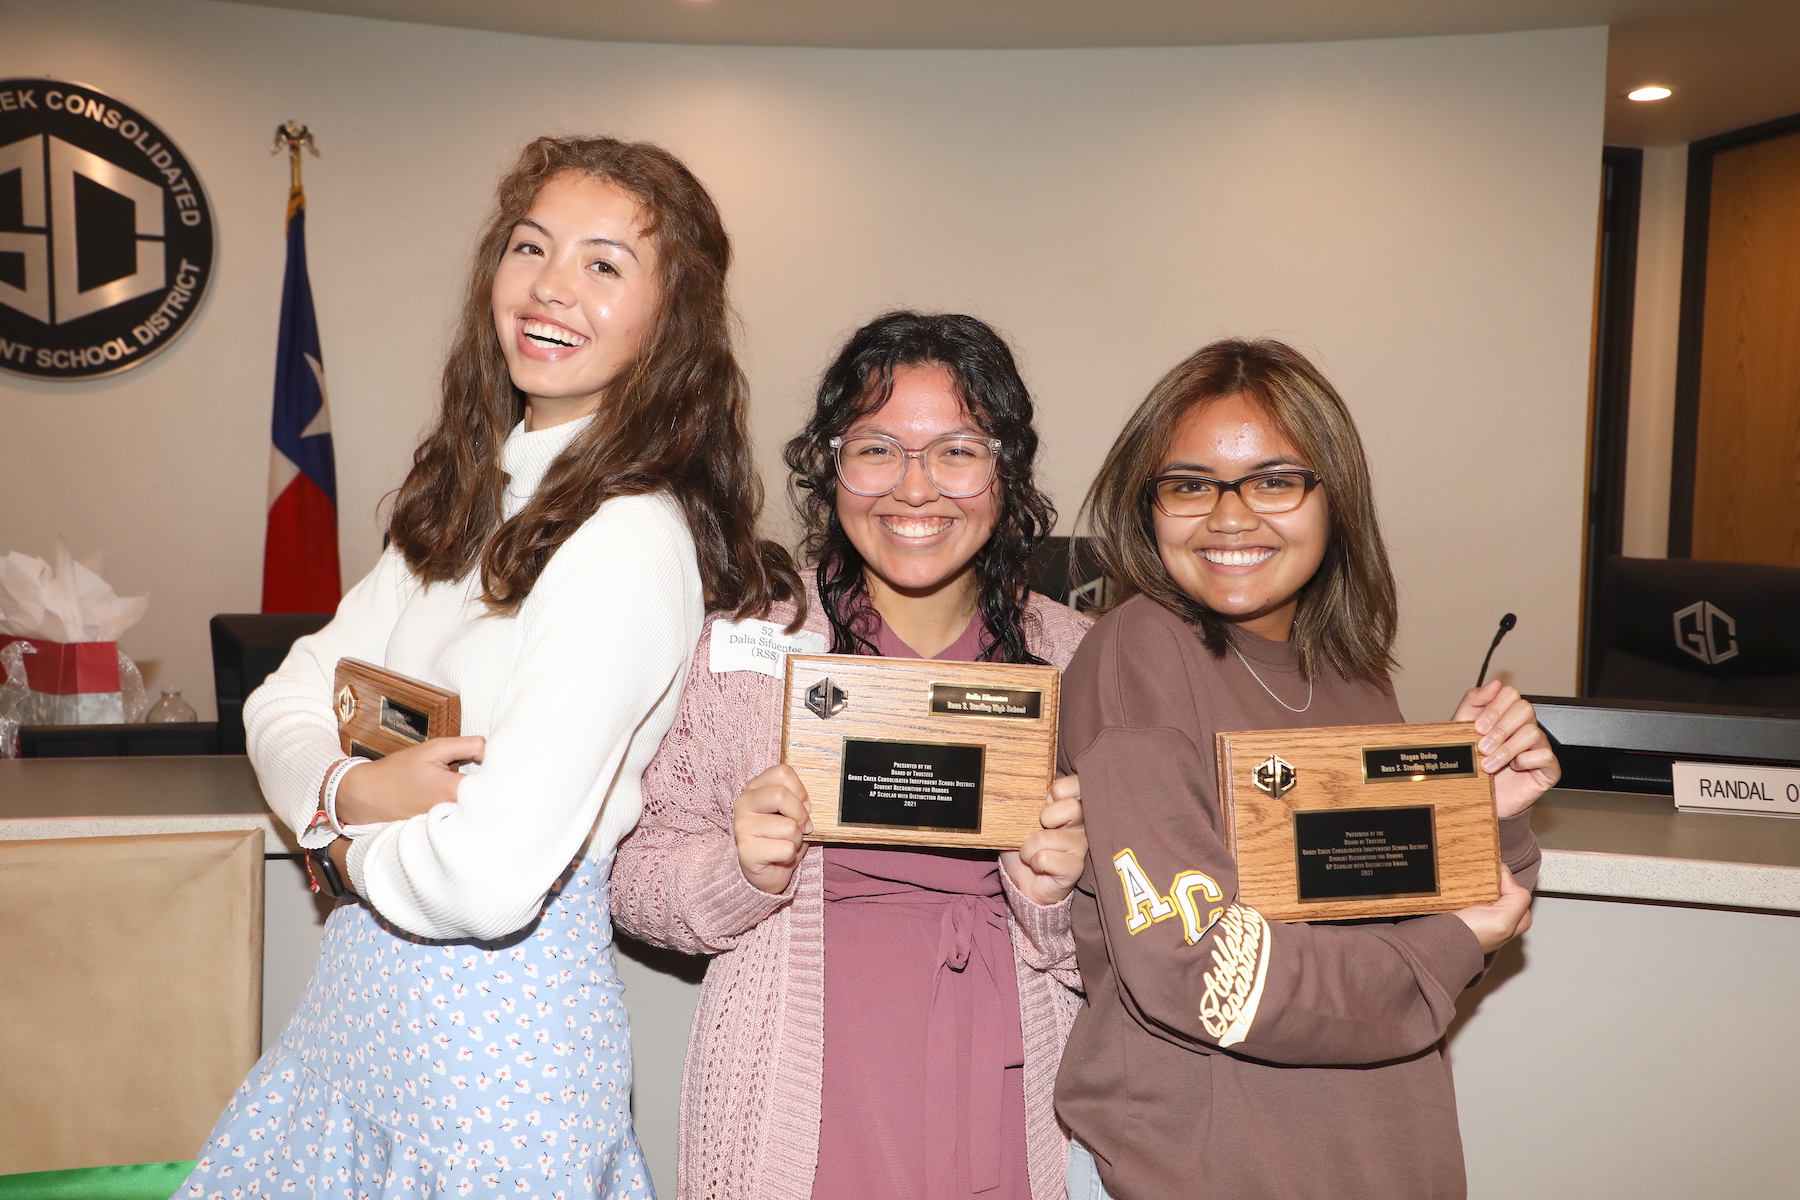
673	420
1348	614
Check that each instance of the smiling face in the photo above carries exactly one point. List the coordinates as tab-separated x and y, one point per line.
574	296
1247	567
913	539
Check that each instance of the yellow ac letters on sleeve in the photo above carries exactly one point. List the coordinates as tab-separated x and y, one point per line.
1145	904
1182	893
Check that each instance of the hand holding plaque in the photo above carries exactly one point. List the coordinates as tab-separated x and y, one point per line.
1359	821
901	751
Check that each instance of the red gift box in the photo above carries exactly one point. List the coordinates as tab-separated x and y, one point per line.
69	668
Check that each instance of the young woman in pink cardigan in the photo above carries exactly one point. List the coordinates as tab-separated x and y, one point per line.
877	1023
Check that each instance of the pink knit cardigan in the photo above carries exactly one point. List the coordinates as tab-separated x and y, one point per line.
750	1089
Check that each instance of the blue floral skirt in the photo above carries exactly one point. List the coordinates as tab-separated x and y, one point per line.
418	1069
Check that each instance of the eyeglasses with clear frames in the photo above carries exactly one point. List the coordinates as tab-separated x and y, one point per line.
1265	492
956	465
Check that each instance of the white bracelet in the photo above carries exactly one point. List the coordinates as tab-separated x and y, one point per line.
328	794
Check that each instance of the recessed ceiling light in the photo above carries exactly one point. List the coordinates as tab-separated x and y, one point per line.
1650	93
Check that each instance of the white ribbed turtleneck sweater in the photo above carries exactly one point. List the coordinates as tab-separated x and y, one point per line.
573	695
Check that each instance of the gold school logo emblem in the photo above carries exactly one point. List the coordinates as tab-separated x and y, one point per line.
1275	776
106	237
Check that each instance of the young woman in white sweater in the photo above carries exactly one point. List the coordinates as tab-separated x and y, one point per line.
585	496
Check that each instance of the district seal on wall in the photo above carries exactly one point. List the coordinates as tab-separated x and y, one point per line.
106	238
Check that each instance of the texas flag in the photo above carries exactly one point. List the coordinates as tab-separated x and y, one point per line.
300	553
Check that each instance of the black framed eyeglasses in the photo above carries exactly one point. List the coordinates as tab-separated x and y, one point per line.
956	465
1264	492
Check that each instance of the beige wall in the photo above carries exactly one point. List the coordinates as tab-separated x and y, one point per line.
1633	1050
1649	444
1417	213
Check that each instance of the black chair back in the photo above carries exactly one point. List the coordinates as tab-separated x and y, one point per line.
1068	571
246	647
1694	632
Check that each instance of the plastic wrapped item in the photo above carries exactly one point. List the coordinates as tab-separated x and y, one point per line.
131	690
13	691
71	618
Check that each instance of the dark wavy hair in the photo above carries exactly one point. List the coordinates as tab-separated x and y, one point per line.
1348	613
673	419
858	382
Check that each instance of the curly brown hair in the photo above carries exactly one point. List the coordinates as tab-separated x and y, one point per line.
858	382
1348	614
673	420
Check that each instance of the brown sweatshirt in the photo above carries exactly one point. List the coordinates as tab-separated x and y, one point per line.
1241	1059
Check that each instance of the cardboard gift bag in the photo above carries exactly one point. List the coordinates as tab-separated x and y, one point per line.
59	654
67	683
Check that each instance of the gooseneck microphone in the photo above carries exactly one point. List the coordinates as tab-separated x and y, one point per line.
1506	623
1505	626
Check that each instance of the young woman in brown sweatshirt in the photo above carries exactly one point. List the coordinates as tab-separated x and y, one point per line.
1219	1054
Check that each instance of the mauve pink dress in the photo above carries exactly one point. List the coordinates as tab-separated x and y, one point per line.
923	1093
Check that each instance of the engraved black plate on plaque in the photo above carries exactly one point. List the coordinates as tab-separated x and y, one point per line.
967	700
1411	763
1360	853
409	723
924	785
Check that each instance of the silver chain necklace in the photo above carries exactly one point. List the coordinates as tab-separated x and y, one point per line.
1265	687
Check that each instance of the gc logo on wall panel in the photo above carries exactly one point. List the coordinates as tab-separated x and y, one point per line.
106	238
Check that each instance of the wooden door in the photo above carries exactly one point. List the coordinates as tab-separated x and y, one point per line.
1746	505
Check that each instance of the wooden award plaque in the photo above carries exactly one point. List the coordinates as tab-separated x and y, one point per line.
380	711
1360	820
918	752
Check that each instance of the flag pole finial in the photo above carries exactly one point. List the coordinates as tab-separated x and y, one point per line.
292	135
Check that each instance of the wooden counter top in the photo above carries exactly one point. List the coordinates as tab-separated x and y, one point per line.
1616	844
103	797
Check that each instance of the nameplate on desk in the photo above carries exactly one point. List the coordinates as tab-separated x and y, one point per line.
1745	791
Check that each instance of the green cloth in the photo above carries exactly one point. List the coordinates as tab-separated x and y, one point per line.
141	1181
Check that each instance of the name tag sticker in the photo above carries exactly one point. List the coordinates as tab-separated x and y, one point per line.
757	645
1719	787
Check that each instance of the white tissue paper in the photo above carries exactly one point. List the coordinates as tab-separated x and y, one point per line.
65	603
58	663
